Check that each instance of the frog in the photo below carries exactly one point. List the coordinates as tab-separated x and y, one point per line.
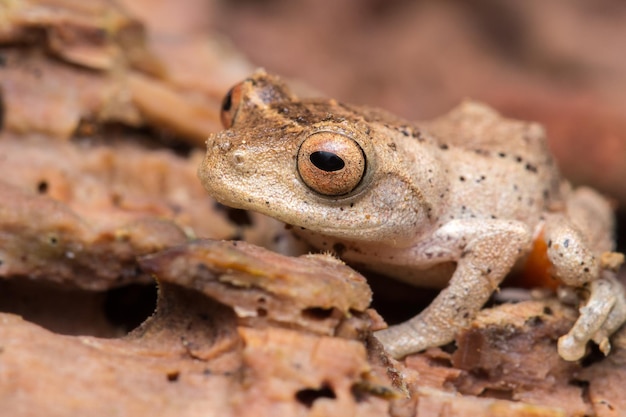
454	203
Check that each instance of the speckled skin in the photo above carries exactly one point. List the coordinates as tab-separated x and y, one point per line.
452	203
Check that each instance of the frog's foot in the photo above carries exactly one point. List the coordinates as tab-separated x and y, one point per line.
600	317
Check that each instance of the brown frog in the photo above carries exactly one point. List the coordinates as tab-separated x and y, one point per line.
453	203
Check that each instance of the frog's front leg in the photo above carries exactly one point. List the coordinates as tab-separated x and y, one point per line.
485	251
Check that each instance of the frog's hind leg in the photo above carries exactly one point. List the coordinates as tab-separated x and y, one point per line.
576	242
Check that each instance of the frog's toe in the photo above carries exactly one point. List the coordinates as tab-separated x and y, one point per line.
603	314
570	348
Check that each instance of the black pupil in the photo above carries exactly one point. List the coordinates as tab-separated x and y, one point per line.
228	101
327	161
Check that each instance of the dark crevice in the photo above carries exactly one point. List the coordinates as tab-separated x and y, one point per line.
129	306
318	313
237	216
308	396
2	109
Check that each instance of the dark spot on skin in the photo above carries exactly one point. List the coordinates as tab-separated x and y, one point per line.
546	194
566	243
488	270
466	315
53	240
501	154
534	321
518	159
405	132
42	187
444	146
531	168
547	311
493	217
339	249
351	205
392	146
461	178
515	187
585	270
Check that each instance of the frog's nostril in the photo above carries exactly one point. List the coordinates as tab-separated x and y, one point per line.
238	158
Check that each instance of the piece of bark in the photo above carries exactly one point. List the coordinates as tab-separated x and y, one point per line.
510	352
81	215
197	356
604	380
317	293
107	73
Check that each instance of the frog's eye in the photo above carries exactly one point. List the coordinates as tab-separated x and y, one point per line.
230	105
330	163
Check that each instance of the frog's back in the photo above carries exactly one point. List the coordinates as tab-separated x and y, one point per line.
477	129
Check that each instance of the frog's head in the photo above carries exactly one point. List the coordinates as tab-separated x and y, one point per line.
311	163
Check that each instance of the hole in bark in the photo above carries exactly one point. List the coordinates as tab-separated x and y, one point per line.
42	187
173	376
317	313
308	396
501	394
128	306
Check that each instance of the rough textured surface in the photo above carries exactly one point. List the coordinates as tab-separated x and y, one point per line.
197	356
103	206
